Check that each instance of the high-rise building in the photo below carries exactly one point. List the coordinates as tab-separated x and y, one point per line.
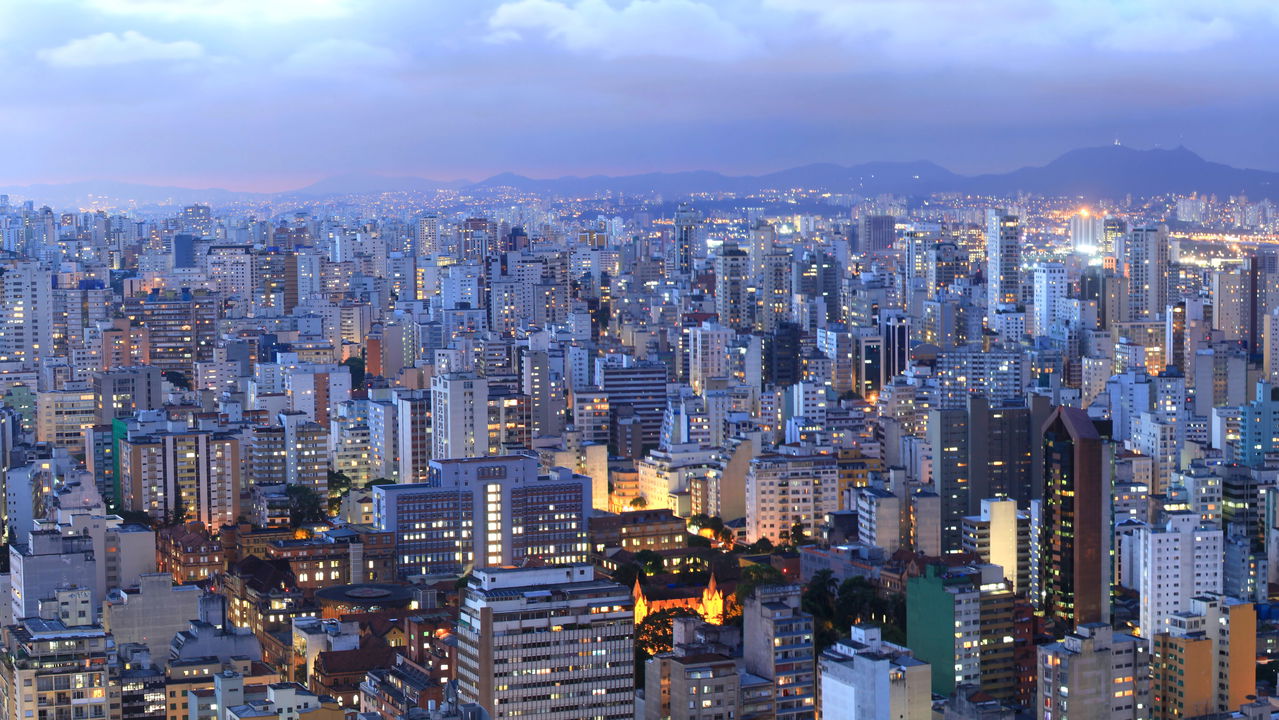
876	233
1000	535
1094	674
689	242
732	296
413	433
1204	662
788	490
56	669
1146	260
182	474
960	621
459	415
485	511
547	643
1175	560
1003	259
778	646
1050	293
1073	533
26	330
865	677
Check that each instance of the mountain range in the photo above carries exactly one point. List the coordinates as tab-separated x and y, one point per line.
1110	171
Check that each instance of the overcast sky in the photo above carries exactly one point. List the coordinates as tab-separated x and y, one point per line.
273	94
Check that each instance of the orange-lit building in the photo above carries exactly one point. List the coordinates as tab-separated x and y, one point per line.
1206	662
189	553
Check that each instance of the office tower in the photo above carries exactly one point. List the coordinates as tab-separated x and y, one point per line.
1174	561
413	432
979	451
778	646
732	296
783	491
864	677
459	415
275	282
485	511
1094	674
1073	535
57	669
689	242
26	330
876	233
546	642
182	474
895	326
1204	663
1146	260
1003	260
1050	294
960	621
1000	535
1087	232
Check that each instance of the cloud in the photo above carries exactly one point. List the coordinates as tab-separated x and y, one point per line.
665	28
233	11
334	56
978	33
111	49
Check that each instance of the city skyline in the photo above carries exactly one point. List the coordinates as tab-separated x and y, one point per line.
228	95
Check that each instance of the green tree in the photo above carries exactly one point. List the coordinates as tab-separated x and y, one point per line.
357	371
305	506
650	561
753	576
654	634
819	600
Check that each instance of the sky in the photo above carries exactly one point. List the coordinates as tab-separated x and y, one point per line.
274	94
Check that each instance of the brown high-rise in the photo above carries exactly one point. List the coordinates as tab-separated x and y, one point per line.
1074	558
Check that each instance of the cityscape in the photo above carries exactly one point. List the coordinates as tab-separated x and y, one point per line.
704	418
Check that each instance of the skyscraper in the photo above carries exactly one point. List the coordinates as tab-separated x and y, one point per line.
1003	259
1074	521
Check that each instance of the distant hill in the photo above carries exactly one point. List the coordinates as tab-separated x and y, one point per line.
1114	171
1110	171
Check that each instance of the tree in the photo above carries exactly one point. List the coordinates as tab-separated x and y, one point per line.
650	561
753	576
639	503
655	634
357	371
818	600
177	379
627	574
797	535
305	506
